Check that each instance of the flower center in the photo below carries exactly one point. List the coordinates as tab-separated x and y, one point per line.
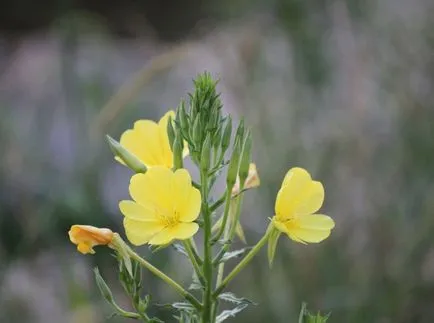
170	220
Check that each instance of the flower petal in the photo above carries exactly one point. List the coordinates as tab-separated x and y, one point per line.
153	146
311	228
184	231
161	238
307	235
316	222
153	189
191	207
180	231
138	212
299	198
139	232
296	177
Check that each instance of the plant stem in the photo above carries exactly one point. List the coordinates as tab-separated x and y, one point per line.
221	266
242	264
166	278
189	248
207	261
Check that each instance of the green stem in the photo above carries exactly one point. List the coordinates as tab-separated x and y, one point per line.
124	313
221	266
207	261
179	289
242	264
189	248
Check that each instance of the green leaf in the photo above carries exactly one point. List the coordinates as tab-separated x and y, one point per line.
272	244
230	297
178	247
195	285
234	254
230	313
183	306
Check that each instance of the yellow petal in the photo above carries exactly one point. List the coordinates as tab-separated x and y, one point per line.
191	207
283	227
153	189
311	236
134	141
299	198
85	248
137	212
154	149
184	231
296	177
180	231
316	222
139	232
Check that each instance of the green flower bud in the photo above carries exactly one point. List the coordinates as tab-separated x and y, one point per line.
245	158
183	116
205	155
217	138
233	165
226	139
197	131
177	152
170	132
240	131
102	286
124	155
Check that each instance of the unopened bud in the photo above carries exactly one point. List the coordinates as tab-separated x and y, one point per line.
103	287
206	152
125	156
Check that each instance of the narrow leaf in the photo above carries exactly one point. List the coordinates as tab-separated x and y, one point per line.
230	297
230	313
234	254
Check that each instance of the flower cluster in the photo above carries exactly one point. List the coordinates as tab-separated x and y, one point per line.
167	206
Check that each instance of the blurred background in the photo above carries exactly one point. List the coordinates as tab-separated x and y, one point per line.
343	88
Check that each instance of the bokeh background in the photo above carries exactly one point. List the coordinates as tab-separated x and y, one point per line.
343	88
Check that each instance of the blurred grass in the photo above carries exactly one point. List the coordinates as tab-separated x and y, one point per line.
342	88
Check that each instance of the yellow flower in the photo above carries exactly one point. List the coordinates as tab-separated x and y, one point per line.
164	207
86	237
252	180
297	201
149	142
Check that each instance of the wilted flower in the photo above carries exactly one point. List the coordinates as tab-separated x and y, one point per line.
164	207
251	181
149	142
297	201
86	237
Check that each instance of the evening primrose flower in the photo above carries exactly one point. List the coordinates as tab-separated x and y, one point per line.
149	142
164	207
86	237
251	181
297	201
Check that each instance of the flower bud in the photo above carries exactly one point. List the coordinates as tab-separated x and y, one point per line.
183	116
245	158
170	132
205	155
103	287
233	165
226	139
178	152
125	157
